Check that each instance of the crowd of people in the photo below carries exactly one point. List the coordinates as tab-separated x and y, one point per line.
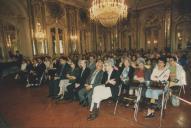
94	77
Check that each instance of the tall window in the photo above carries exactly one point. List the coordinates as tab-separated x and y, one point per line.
8	40
40	46
57	40
60	33
53	39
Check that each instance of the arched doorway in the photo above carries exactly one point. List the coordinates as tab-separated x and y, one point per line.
14	28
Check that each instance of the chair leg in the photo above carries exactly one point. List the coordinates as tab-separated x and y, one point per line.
120	89
166	98
182	89
162	108
137	104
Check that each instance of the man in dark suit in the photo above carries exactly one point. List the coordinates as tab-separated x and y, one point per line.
19	58
39	70
94	80
80	82
110	81
63	68
72	76
92	63
61	72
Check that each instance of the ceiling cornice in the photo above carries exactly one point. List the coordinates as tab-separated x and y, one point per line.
75	3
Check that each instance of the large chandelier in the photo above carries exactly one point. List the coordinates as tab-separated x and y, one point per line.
108	12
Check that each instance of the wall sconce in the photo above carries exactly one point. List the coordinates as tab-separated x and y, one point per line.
148	42
9	41
155	41
73	41
179	36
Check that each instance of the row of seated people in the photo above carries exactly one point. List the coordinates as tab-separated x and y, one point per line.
32	72
91	87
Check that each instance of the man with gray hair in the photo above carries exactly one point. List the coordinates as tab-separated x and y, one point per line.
95	79
80	82
109	88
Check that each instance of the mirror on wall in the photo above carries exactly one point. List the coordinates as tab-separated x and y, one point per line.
9	40
57	40
40	45
183	35
124	39
53	40
60	39
151	38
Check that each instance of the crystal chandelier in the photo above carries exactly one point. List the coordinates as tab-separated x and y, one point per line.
108	12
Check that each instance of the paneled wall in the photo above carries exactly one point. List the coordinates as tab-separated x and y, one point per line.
14	29
54	27
150	24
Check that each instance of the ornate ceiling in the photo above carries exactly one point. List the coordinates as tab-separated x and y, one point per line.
131	3
18	7
13	8
77	3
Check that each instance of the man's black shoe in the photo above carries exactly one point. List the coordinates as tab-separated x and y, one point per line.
149	116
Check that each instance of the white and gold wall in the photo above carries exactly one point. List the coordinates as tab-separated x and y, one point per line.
49	27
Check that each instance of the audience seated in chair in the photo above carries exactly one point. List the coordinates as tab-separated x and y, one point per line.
40	70
177	77
92	83
95	79
126	74
71	78
109	88
23	70
138	79
92	64
160	74
73	89
61	71
36	73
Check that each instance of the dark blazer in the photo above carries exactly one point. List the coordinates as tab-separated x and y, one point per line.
19	59
83	77
29	67
75	72
98	78
130	73
114	88
92	67
40	68
62	70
